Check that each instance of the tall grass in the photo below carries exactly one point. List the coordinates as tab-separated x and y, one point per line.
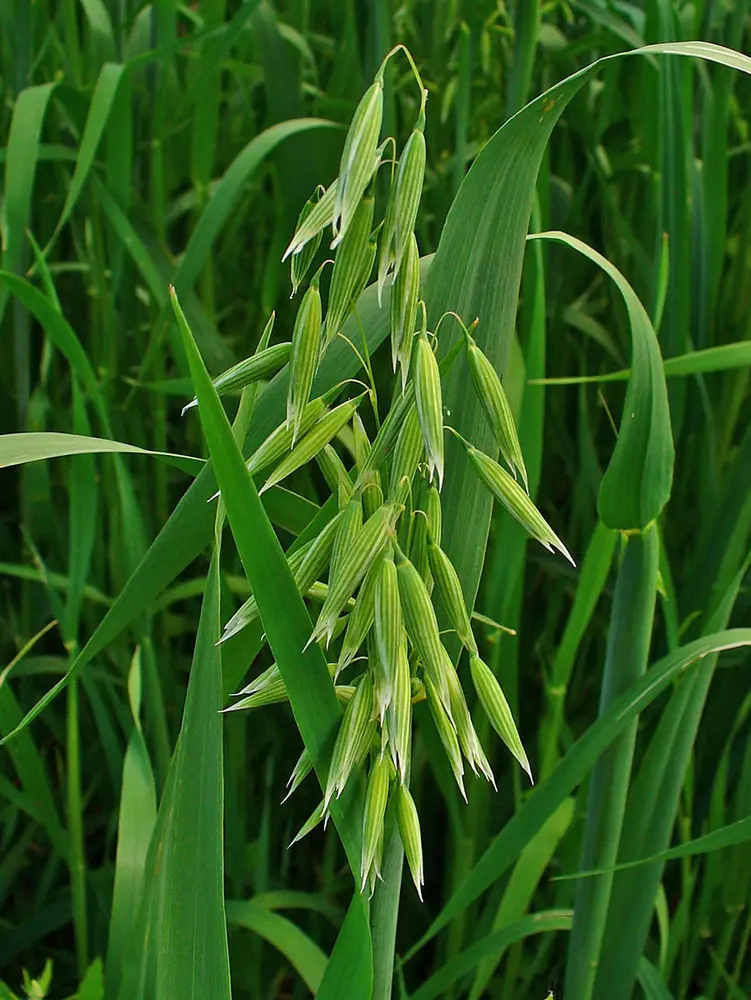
144	849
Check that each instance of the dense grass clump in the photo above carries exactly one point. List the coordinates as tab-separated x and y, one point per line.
313	315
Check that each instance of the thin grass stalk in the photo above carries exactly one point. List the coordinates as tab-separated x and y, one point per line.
384	910
625	661
76	831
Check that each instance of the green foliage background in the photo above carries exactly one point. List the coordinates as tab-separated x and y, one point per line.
144	145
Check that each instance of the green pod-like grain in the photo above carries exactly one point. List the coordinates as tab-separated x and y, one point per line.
359	157
399	716
388	630
361	618
306	349
408	823
492	396
506	489
376	797
317	438
450	589
335	473
497	709
312	223
365	548
301	261
446	732
429	405
279	441
405	295
353	739
351	260
408	453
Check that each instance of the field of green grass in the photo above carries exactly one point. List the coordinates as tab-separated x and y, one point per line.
564	186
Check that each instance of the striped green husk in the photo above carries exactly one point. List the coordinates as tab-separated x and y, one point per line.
401	211
408	823
376	797
300	771
361	618
266	689
317	437
368	543
404	298
388	630
315	221
429	405
279	441
497	709
399	716
351	260
446	732
418	548
452	595
306	347
301	261
408	453
420	622
252	369
353	739
359	157
310	823
494	401
350	524
408	189
335	473
506	489
465	730
433	514
386	437
306	565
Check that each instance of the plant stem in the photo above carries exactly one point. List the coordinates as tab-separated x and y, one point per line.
385	911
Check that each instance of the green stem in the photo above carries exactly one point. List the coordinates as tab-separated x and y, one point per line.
625	660
75	831
384	911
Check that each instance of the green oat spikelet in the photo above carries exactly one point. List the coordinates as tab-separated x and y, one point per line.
367	545
359	157
399	715
492	396
258	366
306	347
335	473
279	441
506	489
351	260
405	294
353	739
388	630
310	226
497	710
429	404
300	772
446	731
408	453
301	261
408	823
317	438
376	798
420	622
451	593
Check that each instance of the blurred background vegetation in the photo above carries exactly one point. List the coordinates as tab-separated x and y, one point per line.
144	144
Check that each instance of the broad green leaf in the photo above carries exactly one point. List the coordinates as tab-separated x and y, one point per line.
102	101
179	943
711	359
134	831
16	449
349	972
304	955
637	482
20	168
572	770
285	618
490	215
